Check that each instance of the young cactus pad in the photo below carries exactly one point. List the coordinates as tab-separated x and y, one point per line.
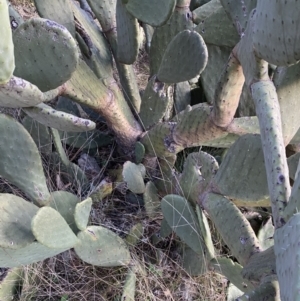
134	177
102	247
65	203
82	213
51	229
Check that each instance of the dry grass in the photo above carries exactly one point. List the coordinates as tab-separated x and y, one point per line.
159	272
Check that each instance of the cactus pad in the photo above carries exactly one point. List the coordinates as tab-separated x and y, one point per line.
266	235
16	215
156	101
182	219
20	163
49	49
198	170
154	13
31	253
135	234
194	263
232	271
276	32
133	177
151	199
59	120
242	175
127	35
185	58
10	284
129	287
18	92
59	11
7	59
102	247
287	254
82	213
232	225
214	25
51	229
65	202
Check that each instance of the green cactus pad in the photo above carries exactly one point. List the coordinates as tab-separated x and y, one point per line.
16	215
127	35
276	39
182	96
7	59
52	230
139	152
129	287
185	57
105	12
293	164
10	284
182	219
100	55
151	200
165	229
102	247
232	225
156	100
287	254
39	133
154	13
58	146
30	254
242	175
239	13
294	202
266	235
65	203
232	271
286	81
135	234
179	21
217	57
206	234
49	49
133	177
198	170
20	162
82	213
214	25
260	265
194	263
59	120
18	92
59	11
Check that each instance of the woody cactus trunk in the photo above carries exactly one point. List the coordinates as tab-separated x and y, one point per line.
247	55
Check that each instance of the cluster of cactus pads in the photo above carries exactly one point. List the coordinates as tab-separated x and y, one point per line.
246	53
